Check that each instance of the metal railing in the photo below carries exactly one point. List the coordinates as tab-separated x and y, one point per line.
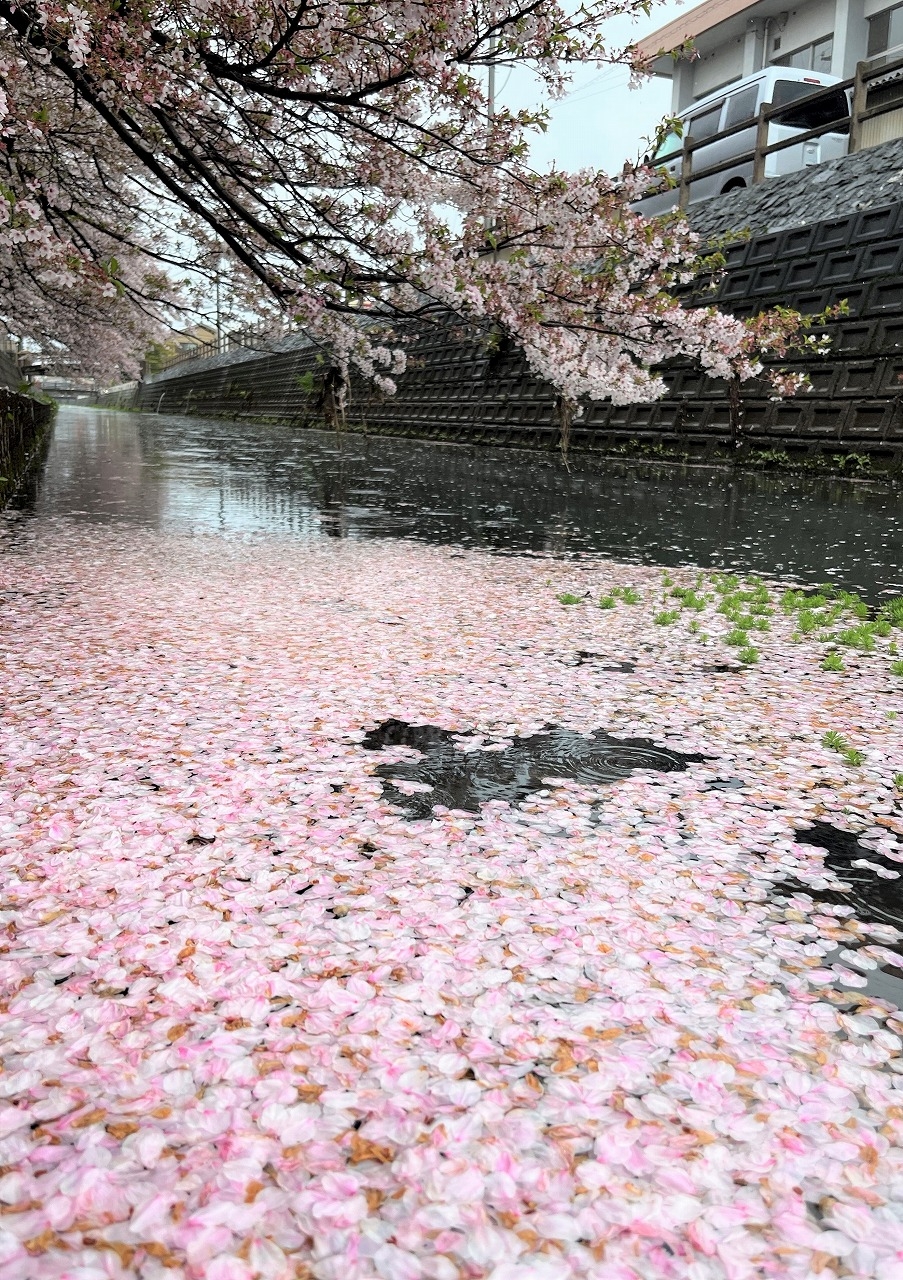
238	340
860	112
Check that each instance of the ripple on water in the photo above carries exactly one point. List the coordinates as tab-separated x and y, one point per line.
464	776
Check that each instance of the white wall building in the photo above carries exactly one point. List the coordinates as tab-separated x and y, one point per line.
734	38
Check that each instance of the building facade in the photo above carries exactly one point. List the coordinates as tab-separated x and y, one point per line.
720	41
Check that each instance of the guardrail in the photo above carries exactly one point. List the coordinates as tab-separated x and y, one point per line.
860	112
239	340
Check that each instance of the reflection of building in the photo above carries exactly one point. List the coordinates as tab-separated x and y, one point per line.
734	38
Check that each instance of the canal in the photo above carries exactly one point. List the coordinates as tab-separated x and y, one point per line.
424	863
196	474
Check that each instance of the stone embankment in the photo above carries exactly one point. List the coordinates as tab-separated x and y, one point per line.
23	426
814	239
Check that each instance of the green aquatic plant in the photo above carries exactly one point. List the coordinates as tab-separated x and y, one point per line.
853	604
737	618
897	668
832	662
794	600
666	617
736	637
852	461
892	610
628	594
861	637
566	597
835	741
748	655
807	622
607	602
898	781
688	598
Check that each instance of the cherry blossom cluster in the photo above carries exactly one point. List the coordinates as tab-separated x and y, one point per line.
343	158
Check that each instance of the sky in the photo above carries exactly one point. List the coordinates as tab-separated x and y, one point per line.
602	122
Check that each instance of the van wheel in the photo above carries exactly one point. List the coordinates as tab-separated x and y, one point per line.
735	184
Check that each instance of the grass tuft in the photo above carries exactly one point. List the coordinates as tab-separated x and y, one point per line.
835	741
893	611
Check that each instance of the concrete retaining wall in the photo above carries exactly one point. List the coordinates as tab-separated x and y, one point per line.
23	427
458	389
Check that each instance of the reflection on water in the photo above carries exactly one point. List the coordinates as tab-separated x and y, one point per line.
180	473
467	779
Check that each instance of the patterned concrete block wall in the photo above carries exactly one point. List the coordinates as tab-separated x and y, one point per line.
23	426
456	388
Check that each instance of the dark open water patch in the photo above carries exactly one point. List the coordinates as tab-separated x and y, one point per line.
871	895
462	779
601	662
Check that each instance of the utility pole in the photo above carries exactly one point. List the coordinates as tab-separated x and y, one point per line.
489	218
219	319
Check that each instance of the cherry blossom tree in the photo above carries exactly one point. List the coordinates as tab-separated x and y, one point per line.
78	275
344	158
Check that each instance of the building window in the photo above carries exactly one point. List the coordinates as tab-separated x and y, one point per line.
811	57
885	31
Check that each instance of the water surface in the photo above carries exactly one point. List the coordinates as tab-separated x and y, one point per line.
180	473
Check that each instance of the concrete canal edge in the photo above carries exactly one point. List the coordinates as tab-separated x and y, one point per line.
24	424
812	240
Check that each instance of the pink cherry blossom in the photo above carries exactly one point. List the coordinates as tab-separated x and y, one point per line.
260	1023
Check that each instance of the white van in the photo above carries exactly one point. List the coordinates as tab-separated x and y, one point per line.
775	86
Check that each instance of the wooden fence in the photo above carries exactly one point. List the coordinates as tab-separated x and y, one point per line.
861	113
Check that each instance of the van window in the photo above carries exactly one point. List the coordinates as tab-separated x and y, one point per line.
670	145
742	106
706	123
808	115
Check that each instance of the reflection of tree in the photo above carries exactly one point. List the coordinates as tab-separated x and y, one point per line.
96	463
